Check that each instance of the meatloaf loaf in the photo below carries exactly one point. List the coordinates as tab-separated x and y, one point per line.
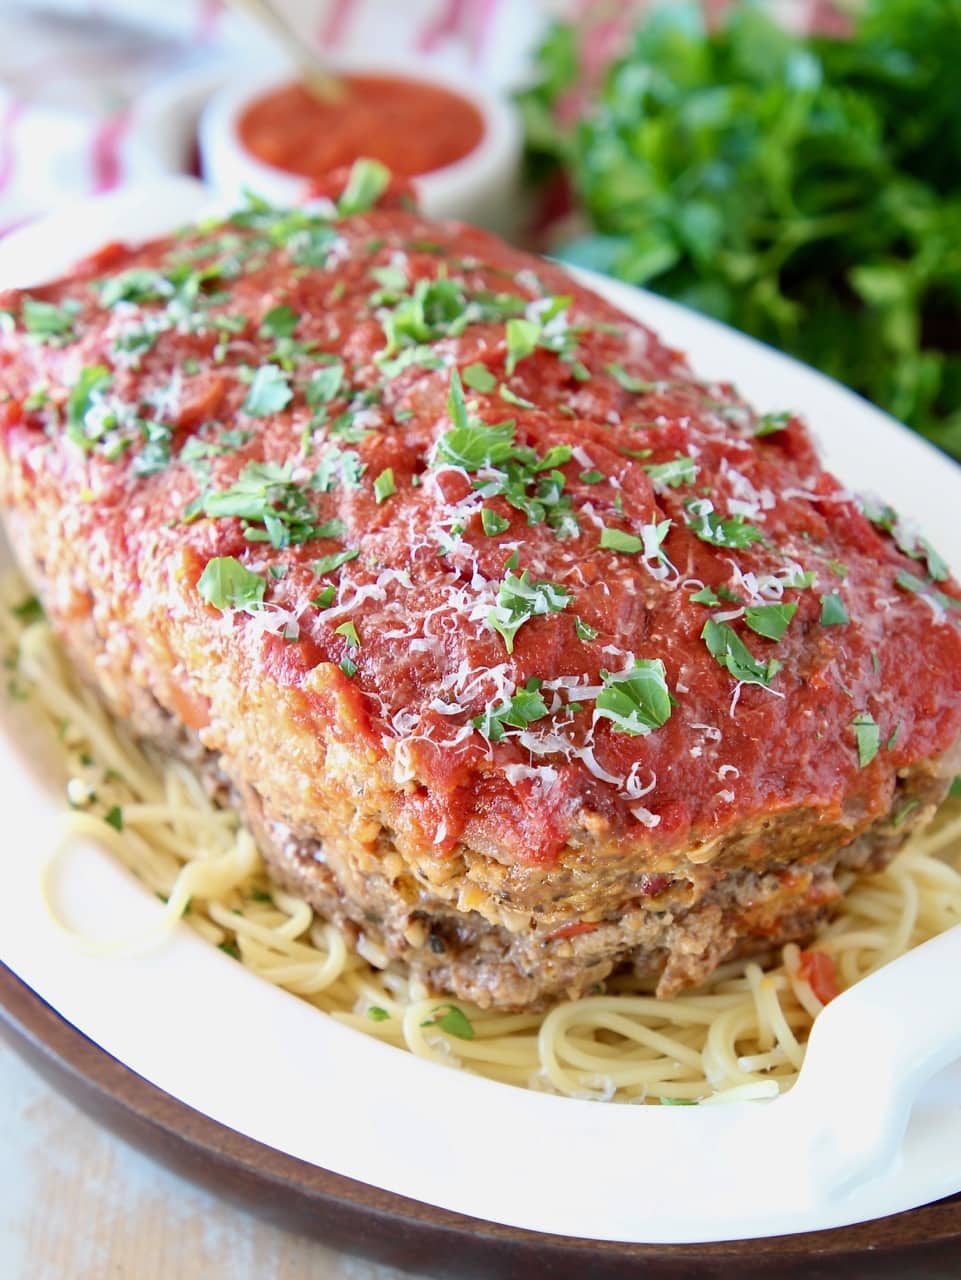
526	654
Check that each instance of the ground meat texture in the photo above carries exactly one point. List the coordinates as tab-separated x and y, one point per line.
526	655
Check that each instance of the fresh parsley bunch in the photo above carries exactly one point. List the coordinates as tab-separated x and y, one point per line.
806	190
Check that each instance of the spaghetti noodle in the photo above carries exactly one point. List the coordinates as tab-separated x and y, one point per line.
741	1035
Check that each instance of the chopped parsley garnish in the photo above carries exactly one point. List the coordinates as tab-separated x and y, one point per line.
325	384
384	486
28	611
474	445
522	337
519	600
139	284
917	548
492	522
522	709
868	737
279	322
838	569
269	392
673	474
899	817
770	620
479	378
86	397
114	818
349	631
705	523
331	563
591	477
627	380
619	540
452	1020
729	650
155	454
272	507
325	598
833	612
338	466
706	596
584	630
366	184
910	582
637	700
377	1014
769	423
227	584
48	322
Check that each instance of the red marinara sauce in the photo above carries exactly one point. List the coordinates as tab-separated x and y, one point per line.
409	125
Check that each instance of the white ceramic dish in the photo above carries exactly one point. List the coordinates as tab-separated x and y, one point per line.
193	1022
483	187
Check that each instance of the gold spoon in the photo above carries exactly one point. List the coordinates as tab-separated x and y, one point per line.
313	74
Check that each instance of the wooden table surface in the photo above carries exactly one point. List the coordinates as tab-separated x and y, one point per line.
76	1203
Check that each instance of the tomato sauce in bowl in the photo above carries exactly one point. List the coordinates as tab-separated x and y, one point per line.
411	126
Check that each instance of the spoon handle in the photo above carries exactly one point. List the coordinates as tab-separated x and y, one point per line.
869	1053
313	73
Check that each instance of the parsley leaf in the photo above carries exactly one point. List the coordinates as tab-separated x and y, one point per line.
637	700
479	378
729	650
620	540
452	1020
48	322
584	630
522	336
367	182
627	380
328	564
671	475
770	423
868	737
519	600
384	486
705	523
833	612
770	620
227	584
279	322
492	522
269	392
523	708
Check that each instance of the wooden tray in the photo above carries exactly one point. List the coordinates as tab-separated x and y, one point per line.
356	1218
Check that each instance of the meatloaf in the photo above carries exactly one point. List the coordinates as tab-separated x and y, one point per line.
527	655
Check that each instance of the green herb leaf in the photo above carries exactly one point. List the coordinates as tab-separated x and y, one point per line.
452	1020
367	182
349	632
620	540
519	600
833	612
47	321
329	564
729	650
637	700
227	584
114	818
269	392
627	380
384	486
868	737
770	423
584	631
671	475
770	620
522	336
28	611
279	322
523	708
492	522
479	378
377	1014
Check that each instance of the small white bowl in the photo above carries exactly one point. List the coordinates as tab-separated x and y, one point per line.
483	187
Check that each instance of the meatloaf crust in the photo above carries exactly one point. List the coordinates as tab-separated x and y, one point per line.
525	654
